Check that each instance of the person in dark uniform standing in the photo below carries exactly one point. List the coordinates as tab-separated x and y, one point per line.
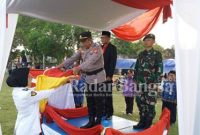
148	71
110	58
93	67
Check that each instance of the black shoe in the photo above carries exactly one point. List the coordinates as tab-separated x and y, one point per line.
148	123
90	124
140	125
98	121
172	123
108	117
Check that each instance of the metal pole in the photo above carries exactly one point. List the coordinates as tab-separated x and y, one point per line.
43	61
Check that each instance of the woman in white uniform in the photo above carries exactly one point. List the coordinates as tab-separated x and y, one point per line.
26	101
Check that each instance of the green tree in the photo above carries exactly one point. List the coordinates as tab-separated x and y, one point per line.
159	48
131	49
128	49
169	53
42	38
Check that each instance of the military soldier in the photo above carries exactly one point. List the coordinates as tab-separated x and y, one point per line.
93	66
148	69
110	58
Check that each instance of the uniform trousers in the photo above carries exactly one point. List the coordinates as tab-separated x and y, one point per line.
94	96
146	111
108	99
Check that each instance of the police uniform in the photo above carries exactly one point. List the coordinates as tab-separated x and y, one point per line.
93	67
27	103
92	64
148	70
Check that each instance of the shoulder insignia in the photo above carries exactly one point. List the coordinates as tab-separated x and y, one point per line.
25	89
33	93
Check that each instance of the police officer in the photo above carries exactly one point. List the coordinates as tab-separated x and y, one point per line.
148	69
93	66
110	58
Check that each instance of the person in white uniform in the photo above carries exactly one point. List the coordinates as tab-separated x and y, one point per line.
26	100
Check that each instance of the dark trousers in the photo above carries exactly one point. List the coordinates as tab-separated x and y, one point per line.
108	99
172	107
129	104
94	97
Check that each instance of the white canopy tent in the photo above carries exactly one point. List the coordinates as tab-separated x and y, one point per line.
106	15
90	14
94	14
187	49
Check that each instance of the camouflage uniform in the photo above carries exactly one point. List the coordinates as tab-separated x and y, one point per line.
148	70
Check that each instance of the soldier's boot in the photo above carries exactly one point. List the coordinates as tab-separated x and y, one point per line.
141	124
90	124
148	123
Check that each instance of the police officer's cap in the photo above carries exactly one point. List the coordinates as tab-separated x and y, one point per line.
106	33
152	36
85	35
18	78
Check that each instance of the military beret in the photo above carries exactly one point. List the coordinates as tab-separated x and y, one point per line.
106	33
152	36
18	78
85	35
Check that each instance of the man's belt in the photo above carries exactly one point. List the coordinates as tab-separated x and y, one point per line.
94	72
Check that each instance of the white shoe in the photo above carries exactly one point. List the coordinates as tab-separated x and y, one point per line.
130	114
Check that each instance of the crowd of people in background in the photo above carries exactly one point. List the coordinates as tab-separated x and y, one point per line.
23	60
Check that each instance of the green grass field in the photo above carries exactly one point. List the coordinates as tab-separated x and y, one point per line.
8	111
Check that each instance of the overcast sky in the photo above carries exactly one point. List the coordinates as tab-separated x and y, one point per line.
164	33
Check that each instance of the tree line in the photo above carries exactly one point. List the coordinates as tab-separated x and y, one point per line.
45	39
